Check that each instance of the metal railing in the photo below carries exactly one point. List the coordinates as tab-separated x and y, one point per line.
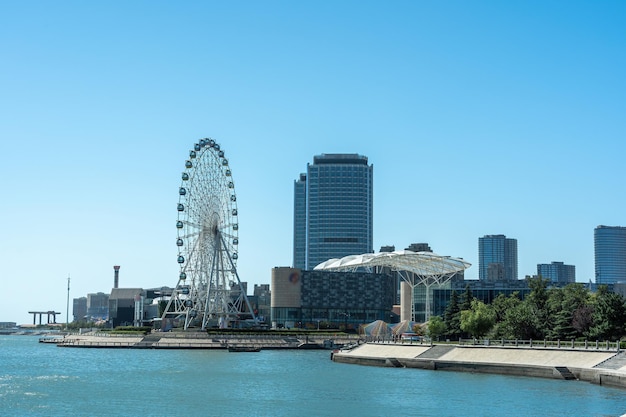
95	344
547	344
534	344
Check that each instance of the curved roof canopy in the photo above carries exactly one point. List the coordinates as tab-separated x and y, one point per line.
420	263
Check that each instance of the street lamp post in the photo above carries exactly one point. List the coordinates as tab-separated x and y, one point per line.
67	307
346	316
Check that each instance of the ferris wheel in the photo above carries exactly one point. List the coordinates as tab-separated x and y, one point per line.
209	292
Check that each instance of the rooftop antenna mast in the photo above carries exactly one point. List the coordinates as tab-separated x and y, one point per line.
67	309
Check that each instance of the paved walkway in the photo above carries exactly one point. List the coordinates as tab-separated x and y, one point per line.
376	350
598	366
480	354
542	357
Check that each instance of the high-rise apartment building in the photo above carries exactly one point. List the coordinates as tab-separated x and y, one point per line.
557	272
610	254
333	209
497	258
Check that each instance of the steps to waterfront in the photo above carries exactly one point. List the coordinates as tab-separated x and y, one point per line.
148	341
616	362
565	373
395	363
436	352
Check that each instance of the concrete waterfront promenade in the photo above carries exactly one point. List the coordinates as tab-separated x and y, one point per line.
202	340
602	367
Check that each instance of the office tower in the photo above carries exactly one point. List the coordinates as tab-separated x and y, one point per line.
299	222
333	210
497	258
610	254
557	272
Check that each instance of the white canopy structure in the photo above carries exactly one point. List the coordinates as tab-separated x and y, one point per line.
415	268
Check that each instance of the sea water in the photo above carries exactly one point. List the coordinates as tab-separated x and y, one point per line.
44	380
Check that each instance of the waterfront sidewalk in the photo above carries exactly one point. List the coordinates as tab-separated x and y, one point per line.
598	366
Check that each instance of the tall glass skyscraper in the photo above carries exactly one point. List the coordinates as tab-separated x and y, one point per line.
333	209
497	258
610	254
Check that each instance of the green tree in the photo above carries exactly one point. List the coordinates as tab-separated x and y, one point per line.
478	320
501	305
465	304
466	299
521	323
609	315
537	304
452	317
436	327
561	306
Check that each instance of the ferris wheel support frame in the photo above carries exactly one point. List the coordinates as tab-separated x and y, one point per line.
221	295
428	281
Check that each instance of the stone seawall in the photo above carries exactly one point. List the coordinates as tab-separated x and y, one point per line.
599	367
202	340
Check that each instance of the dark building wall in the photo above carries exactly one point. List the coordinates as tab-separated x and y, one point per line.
345	299
125	316
347	289
330	299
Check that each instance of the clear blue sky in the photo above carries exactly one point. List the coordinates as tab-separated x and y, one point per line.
482	117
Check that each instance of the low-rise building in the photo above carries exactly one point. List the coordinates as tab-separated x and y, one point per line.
557	272
320	299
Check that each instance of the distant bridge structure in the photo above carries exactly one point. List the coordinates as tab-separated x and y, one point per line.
41	313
